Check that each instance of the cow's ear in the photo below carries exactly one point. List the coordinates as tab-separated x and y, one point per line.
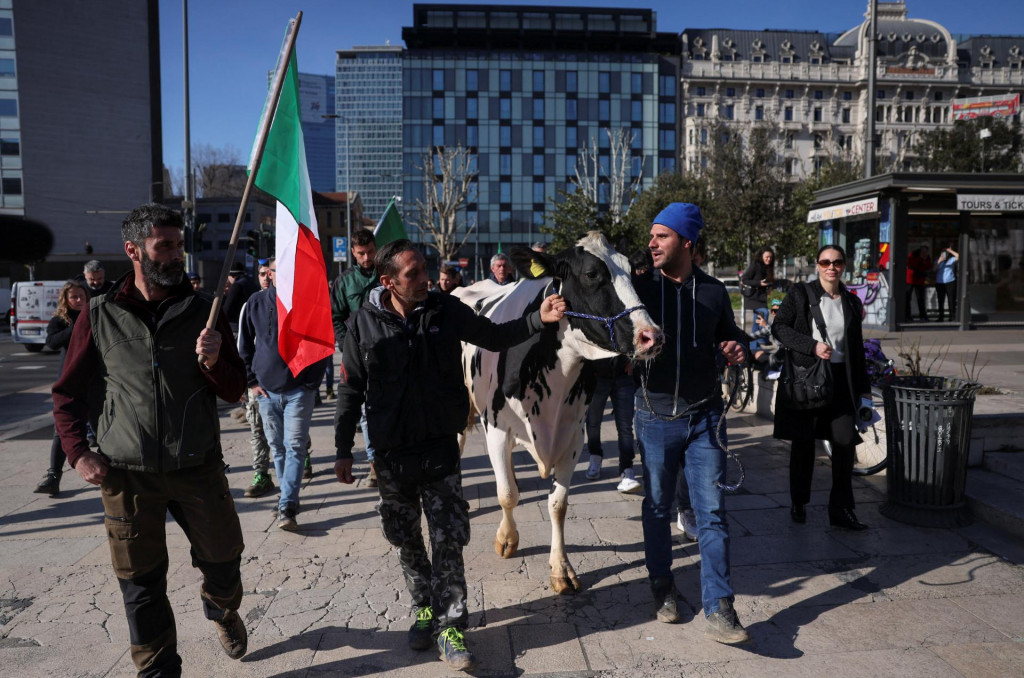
532	265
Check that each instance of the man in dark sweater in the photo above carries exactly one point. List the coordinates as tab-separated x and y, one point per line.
402	357
678	407
143	338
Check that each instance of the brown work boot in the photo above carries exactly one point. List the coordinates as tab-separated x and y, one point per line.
233	636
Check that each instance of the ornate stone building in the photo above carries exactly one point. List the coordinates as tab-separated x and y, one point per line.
813	86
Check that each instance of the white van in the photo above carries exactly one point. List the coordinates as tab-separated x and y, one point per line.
33	303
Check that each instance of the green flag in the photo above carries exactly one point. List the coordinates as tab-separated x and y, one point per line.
390	226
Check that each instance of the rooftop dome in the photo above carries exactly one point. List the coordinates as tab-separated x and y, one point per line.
901	38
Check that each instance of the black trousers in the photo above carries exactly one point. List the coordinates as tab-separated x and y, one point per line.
943	290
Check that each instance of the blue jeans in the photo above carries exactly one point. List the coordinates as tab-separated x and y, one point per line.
366	434
286	418
621	390
329	373
690	441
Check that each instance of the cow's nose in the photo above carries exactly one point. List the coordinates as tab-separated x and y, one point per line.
648	341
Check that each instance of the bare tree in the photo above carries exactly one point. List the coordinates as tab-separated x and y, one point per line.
621	188
448	178
219	171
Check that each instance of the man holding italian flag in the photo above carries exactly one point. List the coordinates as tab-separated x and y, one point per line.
286	336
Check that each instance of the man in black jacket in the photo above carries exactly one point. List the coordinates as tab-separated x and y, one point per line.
402	355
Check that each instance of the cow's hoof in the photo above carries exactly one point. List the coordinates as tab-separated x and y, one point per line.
506	548
565	584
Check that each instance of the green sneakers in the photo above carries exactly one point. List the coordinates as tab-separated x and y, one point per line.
421	633
452	644
261	485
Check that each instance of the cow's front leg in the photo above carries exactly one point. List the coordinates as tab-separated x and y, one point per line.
499	449
563	577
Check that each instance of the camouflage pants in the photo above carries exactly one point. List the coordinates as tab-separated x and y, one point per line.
257	439
428	480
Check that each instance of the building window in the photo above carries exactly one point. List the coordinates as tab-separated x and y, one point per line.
909	96
790	165
759	113
538	136
788	141
938	96
700	91
11	186
817	114
787	114
538	192
847	96
666	140
472	80
730	91
700	110
570	165
604	110
666	113
570	81
6	68
505	136
472	135
786	59
881	94
817	142
667	85
818	94
538	81
789	94
728	112
703	137
757	58
636	111
570	109
666	165
10	147
438	79
505	164
815	61
538	164
437	138
846	115
636	83
6	27
759	92
570	137
538	109
8	108
505	81
505	191
437	111
472	108
505	108
604	82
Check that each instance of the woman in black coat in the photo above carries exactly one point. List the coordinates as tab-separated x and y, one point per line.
759	278
795	329
74	298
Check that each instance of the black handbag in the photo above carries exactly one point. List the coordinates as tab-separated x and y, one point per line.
807	388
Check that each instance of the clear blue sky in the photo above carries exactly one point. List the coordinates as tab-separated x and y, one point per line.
233	44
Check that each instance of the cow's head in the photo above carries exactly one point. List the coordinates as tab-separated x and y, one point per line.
595	281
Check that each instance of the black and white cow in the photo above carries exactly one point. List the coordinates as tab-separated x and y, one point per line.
536	394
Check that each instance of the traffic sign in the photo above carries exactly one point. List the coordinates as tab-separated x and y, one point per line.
463	263
340	248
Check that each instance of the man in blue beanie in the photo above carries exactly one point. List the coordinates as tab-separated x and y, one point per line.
678	408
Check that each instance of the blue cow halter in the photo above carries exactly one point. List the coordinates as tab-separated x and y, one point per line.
608	321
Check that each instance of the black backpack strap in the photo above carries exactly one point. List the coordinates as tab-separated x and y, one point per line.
819	318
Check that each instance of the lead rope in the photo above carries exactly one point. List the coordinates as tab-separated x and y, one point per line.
717	430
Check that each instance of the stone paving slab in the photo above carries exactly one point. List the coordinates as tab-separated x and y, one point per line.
330	600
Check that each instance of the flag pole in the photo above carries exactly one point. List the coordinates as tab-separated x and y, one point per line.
261	143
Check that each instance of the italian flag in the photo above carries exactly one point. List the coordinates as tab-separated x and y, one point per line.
305	332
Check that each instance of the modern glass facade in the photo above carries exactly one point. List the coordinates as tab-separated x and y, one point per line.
316	97
12	199
529	89
368	129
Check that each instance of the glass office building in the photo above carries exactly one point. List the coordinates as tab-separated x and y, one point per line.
368	129
525	89
316	97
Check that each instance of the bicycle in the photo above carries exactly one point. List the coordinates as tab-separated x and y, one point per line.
871	456
738	385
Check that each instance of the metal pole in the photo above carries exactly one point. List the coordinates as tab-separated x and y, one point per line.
869	139
188	203
348	195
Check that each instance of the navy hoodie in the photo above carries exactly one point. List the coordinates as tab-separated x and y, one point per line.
257	344
695	316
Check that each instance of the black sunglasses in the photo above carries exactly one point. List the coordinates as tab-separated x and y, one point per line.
825	263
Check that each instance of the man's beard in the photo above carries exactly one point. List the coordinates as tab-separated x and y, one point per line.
162	275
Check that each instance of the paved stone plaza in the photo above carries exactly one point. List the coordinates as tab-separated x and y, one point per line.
329	600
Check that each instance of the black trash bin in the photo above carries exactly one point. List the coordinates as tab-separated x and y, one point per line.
928	420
